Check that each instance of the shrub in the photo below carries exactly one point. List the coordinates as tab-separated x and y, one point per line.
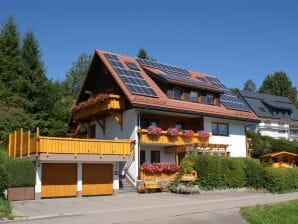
4	179
21	173
281	179
233	172
254	172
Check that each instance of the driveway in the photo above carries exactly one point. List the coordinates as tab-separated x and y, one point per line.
144	208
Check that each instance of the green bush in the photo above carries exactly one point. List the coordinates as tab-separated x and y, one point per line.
281	179
21	173
216	172
3	179
255	173
233	172
263	144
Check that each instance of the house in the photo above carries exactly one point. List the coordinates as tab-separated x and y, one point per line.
121	101
280	159
279	117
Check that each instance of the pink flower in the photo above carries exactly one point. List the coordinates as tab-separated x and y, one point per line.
153	130
204	135
188	133
173	132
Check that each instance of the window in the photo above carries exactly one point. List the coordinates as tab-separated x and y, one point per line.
210	99
155	156
220	129
145	123
193	96
142	156
262	109
177	93
179	126
92	131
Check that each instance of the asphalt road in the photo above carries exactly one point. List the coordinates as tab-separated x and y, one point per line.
148	208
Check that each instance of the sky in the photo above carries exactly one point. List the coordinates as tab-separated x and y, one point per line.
233	40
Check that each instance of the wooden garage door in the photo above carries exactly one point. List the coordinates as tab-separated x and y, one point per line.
97	179
59	180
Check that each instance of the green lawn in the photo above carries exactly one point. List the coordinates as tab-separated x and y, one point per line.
5	208
280	213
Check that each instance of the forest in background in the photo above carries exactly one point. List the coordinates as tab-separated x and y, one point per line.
29	99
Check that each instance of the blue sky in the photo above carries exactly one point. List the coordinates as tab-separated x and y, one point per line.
234	40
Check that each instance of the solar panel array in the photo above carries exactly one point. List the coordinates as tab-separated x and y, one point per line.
183	78
132	66
228	99
160	66
133	80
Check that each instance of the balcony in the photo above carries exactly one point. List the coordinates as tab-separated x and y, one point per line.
164	139
98	107
23	144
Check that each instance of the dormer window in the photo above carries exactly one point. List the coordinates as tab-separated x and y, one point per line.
193	96
210	99
177	93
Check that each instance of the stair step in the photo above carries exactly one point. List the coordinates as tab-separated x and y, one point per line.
126	187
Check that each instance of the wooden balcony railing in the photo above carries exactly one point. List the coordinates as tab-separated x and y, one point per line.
163	138
22	144
111	103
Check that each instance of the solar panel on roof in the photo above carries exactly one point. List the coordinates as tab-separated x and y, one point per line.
157	65
228	99
132	66
183	78
133	80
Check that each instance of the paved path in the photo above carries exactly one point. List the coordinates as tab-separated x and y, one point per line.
148	208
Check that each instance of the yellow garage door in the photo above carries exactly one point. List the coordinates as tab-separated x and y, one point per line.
59	180
97	179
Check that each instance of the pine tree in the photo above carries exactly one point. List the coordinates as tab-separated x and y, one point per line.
279	84
250	86
76	75
143	54
10	56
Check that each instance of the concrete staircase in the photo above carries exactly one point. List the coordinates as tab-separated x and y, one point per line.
125	186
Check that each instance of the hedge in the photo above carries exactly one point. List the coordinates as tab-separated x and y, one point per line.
21	171
281	179
4	179
224	172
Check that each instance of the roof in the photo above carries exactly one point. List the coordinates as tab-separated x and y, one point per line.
264	105
274	154
162	102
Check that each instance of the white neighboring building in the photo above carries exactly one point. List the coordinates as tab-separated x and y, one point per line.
279	117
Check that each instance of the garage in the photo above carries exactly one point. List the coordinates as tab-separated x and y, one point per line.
97	179
59	180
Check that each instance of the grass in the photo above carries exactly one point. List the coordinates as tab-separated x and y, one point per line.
285	212
5	209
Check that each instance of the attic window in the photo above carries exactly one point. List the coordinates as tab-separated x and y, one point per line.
262	109
132	66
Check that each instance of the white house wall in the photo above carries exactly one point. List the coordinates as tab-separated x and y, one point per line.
164	157
236	139
113	128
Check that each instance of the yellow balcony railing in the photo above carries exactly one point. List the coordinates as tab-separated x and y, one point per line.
163	138
95	109
21	144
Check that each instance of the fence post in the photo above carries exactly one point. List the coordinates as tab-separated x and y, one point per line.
9	145
37	141
21	142
28	144
15	144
